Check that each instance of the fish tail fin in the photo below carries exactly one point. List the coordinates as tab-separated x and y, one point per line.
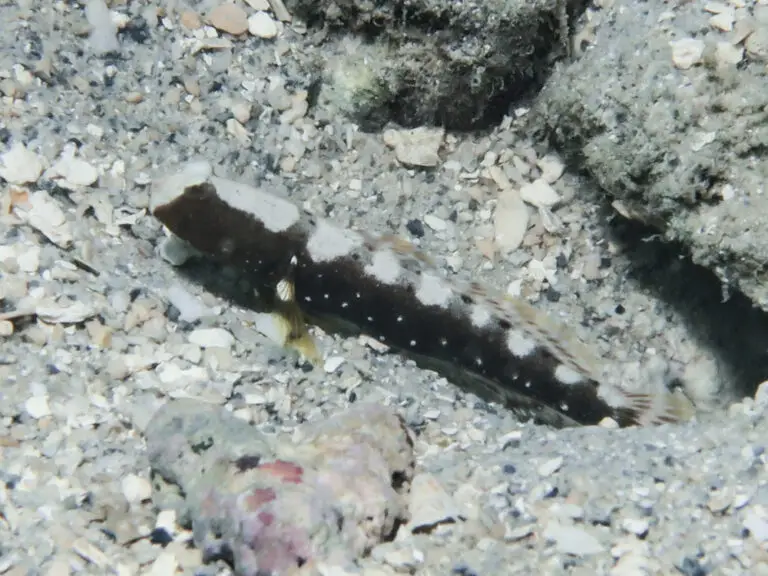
655	408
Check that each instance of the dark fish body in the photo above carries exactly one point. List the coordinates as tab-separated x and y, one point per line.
391	292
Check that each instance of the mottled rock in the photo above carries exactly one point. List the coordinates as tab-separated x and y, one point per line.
333	491
644	113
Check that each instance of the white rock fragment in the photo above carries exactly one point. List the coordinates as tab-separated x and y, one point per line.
723	18
332	364
757	44
437	224
518	533
755	522
719	501
37	406
45	215
510	221
539	193
262	25
429	503
241	111
91	553
136	489
28	259
550	466
190	308
686	52
71	313
510	439
171	374
637	526
6	328
572	540
262	5
727	54
211	338
402	557
723	21
238	131
73	173
551	168
103	37
166	519
416	147
206	43
20	165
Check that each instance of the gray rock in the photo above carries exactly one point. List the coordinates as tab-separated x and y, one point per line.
681	149
184	432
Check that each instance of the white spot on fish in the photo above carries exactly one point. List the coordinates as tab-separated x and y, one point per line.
328	242
480	316
567	375
344	304
433	291
519	344
443	342
370	318
413	342
399	318
384	266
276	214
479	361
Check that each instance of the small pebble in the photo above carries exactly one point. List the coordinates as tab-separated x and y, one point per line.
37	407
727	54
230	18
103	36
686	52
262	25
333	363
20	165
540	194
416	147
429	503
74	172
190	20
572	540
136	489
757	525
261	5
212	338
551	168
6	328
510	221
637	526
550	466
437	224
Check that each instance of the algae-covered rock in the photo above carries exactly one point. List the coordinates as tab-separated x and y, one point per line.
434	62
